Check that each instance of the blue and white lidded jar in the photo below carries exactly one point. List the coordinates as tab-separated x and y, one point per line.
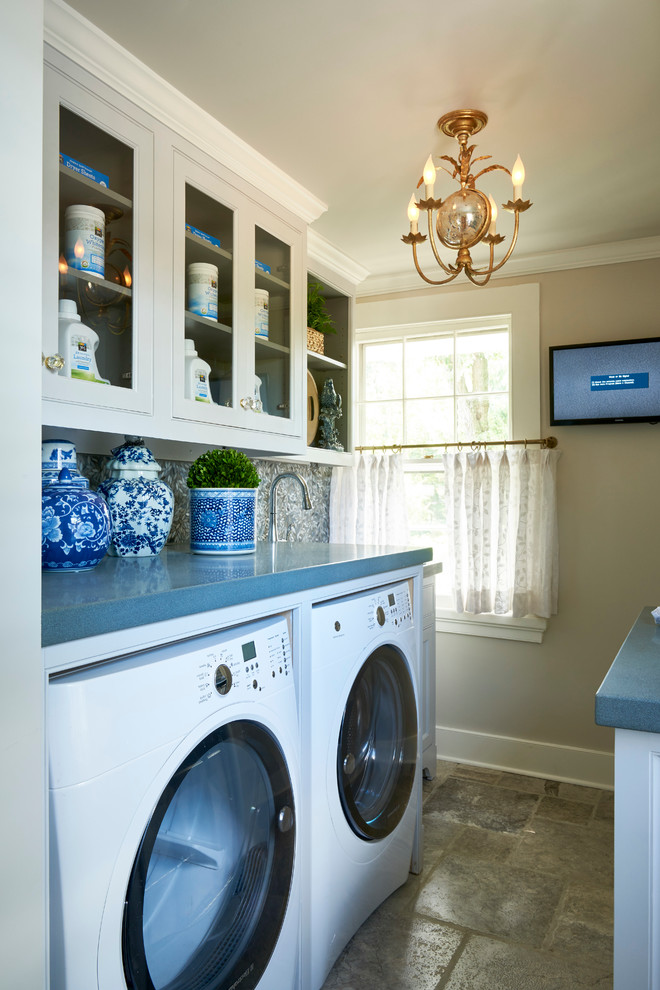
58	454
141	506
222	520
75	525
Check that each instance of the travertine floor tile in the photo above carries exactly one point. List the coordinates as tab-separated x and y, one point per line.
560	810
491	898
564	850
486	964
472	802
380	957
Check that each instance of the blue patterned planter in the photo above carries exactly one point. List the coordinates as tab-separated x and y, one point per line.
75	526
222	520
141	506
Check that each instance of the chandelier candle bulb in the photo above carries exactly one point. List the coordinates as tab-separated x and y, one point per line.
429	177
493	215
517	177
413	214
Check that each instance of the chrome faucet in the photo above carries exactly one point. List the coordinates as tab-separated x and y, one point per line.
307	502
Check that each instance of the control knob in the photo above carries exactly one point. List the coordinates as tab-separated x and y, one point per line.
223	679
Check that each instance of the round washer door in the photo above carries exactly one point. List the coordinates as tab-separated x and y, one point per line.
377	749
209	887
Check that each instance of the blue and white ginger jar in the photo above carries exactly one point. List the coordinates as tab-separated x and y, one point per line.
222	520
58	454
75	525
141	506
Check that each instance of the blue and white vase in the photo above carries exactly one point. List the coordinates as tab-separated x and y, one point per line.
58	454
222	520
75	525
141	506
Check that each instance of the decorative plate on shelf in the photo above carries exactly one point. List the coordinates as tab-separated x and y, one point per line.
312	408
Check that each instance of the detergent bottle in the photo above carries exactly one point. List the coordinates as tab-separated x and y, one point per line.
77	344
197	375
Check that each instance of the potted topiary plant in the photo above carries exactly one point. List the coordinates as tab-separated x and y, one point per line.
223	488
319	321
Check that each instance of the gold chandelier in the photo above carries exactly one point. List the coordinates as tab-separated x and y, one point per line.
466	217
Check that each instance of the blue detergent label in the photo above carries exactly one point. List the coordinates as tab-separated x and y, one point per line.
85	170
202	235
609	383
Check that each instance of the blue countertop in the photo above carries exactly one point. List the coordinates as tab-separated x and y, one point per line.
629	697
120	593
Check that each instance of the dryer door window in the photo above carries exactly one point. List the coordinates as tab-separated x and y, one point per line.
210	883
377	748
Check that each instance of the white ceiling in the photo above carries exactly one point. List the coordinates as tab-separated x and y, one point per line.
344	97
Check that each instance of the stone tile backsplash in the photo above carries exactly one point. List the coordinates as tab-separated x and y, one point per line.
295	524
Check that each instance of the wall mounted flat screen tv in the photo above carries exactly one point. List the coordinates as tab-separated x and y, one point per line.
614	381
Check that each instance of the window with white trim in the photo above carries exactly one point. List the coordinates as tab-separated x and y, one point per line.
445	381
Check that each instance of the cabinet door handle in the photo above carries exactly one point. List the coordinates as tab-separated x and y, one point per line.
53	362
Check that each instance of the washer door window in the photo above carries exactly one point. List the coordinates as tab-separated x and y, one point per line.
209	887
378	745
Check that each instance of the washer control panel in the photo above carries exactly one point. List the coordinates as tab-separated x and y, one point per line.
240	663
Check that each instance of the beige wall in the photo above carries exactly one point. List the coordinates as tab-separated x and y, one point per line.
609	488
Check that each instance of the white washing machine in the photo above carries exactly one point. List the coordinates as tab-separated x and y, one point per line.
174	783
364	772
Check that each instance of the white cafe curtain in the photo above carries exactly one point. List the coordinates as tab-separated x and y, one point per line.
502	522
367	501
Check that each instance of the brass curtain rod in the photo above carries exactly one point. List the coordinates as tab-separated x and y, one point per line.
545	442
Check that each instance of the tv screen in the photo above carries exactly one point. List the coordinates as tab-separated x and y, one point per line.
614	381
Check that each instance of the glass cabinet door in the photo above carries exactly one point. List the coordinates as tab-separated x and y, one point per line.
92	272
272	325
209	299
232	275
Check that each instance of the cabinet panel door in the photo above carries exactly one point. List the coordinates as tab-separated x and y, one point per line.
204	386
220	231
97	254
277	330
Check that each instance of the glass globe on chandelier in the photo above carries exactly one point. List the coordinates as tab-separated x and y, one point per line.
467	216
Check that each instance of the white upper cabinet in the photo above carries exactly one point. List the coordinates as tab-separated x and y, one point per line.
97	256
183	285
211	355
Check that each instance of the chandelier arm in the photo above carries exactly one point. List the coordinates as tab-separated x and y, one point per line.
474	280
436	253
491	168
431	281
512	245
471	272
494	268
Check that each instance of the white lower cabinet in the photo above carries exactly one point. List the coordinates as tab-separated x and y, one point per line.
427	669
637	860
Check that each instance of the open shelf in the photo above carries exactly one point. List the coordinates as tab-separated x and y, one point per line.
320	362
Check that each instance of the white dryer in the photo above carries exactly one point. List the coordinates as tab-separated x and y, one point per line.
174	782
363	768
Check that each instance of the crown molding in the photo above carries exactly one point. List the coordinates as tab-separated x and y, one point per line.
615	253
325	253
69	33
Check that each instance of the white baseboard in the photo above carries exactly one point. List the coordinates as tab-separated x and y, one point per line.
533	759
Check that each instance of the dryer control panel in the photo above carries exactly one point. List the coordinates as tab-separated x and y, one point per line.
390	608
